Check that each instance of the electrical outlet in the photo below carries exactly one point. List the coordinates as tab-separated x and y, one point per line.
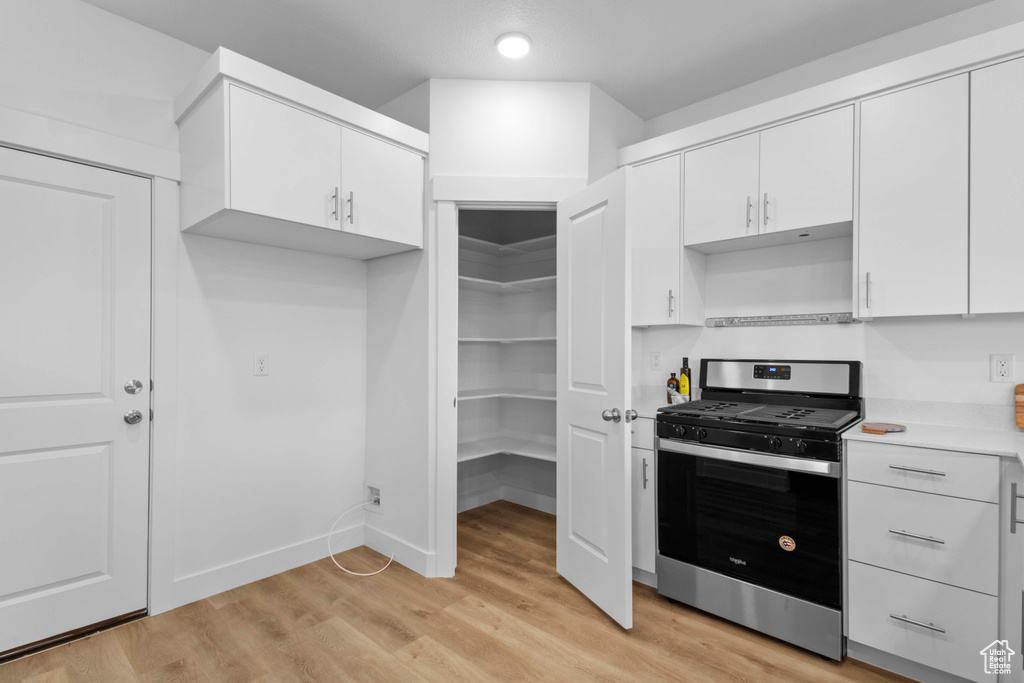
261	365
1001	367
655	360
373	498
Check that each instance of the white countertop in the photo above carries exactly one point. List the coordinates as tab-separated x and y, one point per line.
1007	443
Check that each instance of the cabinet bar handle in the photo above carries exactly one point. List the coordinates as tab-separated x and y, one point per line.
867	290
671	308
645	473
334	198
766	208
904	618
750	205
901	532
351	206
1014	496
904	468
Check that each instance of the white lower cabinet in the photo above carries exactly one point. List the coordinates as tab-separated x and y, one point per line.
934	572
644	522
924	621
945	539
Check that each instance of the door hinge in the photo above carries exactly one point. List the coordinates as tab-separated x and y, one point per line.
150	414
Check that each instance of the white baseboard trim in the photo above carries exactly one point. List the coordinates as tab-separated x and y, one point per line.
417	559
474	499
645	577
530	499
513	494
901	666
209	582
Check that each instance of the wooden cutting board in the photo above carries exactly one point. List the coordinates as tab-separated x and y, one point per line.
1020	405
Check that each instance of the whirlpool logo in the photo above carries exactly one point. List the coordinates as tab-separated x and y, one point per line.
735	561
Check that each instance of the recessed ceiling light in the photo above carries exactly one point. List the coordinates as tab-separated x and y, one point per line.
514	45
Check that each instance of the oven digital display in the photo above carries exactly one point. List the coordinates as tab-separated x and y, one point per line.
772	371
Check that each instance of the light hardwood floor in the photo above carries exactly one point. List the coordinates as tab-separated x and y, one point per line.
506	615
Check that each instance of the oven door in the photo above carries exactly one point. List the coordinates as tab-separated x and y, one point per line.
769	520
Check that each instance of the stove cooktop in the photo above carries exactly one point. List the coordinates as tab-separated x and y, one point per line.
819	418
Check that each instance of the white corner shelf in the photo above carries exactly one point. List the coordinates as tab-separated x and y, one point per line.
537	284
472	450
535	394
503	340
493	249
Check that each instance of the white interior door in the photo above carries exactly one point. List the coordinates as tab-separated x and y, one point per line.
74	475
594	537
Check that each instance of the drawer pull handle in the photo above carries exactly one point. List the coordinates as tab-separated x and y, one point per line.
904	618
901	532
1014	497
917	469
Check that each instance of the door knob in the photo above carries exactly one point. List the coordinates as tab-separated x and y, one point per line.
631	415
133	386
133	417
612	415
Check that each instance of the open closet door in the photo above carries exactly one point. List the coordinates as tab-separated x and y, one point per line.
594	540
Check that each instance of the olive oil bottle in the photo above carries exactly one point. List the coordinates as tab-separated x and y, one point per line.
684	380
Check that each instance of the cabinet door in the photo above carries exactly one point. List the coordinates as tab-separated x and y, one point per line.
807	172
643	510
285	162
720	191
997	176
655	209
913	201
382	189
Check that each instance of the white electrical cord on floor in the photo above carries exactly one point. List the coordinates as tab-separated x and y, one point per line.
331	532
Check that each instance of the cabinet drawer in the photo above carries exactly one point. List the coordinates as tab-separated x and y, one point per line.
968	620
948	473
964	550
643	433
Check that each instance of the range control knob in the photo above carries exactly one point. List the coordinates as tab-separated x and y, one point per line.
801	447
681	431
775	443
702	434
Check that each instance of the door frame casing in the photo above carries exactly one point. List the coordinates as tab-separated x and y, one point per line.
449	195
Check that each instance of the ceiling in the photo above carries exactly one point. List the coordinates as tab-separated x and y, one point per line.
653	56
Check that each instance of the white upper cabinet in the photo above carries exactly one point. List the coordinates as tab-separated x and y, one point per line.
668	281
382	189
720	190
912	243
284	162
997	188
268	159
791	177
807	172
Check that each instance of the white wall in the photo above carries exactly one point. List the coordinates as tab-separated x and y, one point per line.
509	129
904	43
399	449
72	62
265	464
411	108
611	126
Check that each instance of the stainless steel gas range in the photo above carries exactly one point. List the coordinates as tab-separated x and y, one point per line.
748	496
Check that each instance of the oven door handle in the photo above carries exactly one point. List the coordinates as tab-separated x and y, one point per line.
776	462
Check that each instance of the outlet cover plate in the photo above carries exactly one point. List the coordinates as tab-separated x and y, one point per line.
1001	367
